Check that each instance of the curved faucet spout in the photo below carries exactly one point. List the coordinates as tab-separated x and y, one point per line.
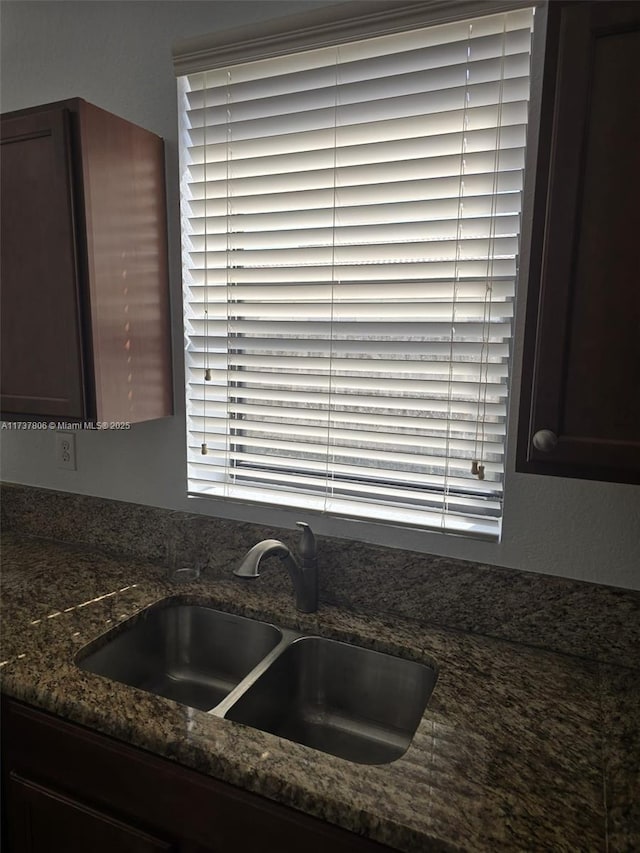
304	575
249	567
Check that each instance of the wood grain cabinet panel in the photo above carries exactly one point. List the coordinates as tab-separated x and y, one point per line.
58	776
84	289
43	820
580	406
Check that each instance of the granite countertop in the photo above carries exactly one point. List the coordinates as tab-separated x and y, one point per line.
518	749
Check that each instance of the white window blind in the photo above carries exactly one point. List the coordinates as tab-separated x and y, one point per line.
351	221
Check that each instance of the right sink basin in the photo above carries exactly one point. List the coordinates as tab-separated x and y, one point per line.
345	700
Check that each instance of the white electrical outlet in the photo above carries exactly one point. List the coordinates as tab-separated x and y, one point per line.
66	450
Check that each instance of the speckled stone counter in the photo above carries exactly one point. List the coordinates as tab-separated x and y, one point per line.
519	749
587	620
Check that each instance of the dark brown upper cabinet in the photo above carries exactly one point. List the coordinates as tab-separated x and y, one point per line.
580	405
84	290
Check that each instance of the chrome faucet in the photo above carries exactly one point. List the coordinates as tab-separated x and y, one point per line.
303	571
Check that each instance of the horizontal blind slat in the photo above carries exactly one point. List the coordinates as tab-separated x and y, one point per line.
348	135
415	213
271	78
229	105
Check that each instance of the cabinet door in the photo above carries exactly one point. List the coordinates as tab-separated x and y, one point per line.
126	281
41	357
43	820
198	813
580	407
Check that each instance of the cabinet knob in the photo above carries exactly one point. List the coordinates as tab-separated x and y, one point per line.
545	440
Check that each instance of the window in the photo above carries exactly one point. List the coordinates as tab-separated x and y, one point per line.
351	220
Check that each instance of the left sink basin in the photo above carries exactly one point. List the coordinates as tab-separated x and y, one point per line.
192	654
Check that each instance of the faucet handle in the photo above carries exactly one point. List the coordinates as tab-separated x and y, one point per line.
307	549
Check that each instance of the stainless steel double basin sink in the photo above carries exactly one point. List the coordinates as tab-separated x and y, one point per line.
339	698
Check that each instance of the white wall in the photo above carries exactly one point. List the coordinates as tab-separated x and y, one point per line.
118	56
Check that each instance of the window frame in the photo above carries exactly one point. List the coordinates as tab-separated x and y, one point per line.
332	25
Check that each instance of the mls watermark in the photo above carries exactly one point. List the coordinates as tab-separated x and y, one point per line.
64	425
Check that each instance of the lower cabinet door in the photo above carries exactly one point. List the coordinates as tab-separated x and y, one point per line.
43	821
68	789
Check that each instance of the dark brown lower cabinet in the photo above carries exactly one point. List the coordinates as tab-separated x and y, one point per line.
67	789
42	820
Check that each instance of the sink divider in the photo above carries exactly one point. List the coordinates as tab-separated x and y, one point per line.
288	638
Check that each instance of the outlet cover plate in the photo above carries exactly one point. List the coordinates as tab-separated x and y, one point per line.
66	450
